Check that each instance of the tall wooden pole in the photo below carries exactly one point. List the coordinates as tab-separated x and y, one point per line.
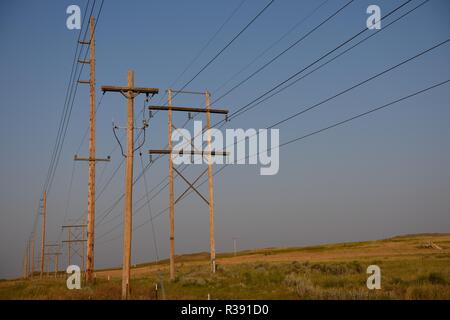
171	193
27	255
131	93
44	209
128	206
30	272
212	243
91	195
32	252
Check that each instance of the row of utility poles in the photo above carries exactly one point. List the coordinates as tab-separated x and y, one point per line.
91	185
130	92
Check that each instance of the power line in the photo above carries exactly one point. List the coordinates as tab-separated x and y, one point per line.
65	115
284	51
364	113
277	123
110	210
249	106
225	47
241	109
87	128
149	208
61	120
228	44
68	198
279	39
402	16
210	40
332	59
71	106
216	56
311	134
295	26
349	89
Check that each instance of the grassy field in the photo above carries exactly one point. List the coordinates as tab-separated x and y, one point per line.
410	269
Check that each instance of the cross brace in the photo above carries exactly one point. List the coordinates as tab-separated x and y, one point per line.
76	158
192	152
188	109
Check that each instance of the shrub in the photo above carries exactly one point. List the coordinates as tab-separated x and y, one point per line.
436	278
302	286
338	268
432	278
196	282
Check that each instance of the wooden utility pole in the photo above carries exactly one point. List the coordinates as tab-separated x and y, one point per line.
33	237
27	255
44	209
209	153
92	160
130	92
91	195
128	206
212	243
171	194
30	268
24	265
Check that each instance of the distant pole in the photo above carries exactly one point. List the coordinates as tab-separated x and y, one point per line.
27	255
234	245
24	265
44	209
171	193
30	264
32	252
56	265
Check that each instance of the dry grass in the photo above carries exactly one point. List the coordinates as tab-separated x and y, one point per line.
336	271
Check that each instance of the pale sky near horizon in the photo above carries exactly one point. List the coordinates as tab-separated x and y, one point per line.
378	176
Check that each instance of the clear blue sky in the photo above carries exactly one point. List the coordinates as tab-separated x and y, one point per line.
378	176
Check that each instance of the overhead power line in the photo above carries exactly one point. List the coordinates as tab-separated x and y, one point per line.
340	123
343	92
110	210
